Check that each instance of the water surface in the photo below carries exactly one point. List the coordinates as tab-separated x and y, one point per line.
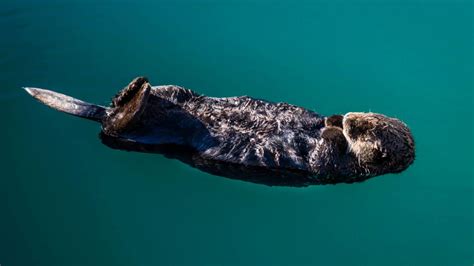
68	200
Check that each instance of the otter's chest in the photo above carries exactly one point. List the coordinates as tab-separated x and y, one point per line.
256	132
253	117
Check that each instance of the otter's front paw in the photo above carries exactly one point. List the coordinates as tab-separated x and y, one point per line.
334	121
335	137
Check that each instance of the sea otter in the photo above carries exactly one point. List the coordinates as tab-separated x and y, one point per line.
246	138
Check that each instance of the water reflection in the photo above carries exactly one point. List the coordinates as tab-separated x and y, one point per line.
254	174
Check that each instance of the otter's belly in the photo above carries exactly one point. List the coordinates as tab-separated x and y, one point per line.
285	150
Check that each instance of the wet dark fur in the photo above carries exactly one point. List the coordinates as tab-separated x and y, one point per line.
236	131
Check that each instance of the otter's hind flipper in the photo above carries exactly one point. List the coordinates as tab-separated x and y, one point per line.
128	106
68	104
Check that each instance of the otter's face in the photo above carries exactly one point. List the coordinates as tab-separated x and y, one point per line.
380	143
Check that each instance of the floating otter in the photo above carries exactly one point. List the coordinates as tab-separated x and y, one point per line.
246	138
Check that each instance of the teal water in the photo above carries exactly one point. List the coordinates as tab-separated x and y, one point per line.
68	200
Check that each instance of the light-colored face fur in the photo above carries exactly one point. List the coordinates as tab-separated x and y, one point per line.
380	143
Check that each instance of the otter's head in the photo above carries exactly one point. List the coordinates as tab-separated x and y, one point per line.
381	144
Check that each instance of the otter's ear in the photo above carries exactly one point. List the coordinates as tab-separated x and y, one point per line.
335	137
